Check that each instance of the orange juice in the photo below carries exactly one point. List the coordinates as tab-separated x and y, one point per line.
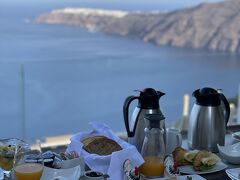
28	171
153	166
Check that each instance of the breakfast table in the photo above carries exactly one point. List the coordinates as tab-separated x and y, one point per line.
228	141
218	175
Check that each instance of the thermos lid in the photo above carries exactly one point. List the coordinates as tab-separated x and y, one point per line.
149	98
207	97
153	120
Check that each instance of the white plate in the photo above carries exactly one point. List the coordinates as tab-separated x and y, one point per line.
233	173
189	169
231	153
194	177
1	174
236	135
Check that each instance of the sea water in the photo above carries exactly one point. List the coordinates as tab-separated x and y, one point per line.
54	79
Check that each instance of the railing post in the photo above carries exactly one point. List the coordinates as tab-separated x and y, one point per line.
182	123
22	102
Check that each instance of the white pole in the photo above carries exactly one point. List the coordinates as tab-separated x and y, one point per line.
22	102
238	110
186	99
184	124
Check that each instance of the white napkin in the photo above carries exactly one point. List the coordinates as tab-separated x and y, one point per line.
110	164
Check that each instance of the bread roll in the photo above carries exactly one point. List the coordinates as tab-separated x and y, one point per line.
100	145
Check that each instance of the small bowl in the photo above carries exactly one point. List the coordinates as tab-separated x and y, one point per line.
71	163
71	169
230	153
8	149
62	174
13	142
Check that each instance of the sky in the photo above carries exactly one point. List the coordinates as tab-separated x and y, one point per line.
189	2
163	5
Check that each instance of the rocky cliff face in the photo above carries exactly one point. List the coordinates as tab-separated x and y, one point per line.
213	26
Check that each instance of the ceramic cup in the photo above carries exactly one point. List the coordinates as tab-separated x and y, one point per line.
173	139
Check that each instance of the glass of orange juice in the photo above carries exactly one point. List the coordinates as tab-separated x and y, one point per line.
28	164
152	167
153	149
8	148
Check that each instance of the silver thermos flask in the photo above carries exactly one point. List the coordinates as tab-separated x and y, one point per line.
208	120
148	103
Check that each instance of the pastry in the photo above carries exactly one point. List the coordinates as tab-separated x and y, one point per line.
190	155
205	160
200	160
197	162
178	156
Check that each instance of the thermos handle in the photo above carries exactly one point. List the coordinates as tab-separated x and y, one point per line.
179	139
125	114
227	107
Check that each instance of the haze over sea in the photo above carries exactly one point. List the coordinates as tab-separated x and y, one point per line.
72	77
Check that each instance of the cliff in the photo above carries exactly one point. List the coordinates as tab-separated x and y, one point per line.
214	26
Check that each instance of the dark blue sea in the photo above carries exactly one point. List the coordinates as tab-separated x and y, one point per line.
55	79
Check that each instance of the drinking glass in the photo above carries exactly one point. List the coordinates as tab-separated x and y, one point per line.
8	148
28	163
